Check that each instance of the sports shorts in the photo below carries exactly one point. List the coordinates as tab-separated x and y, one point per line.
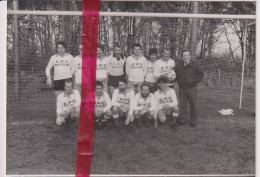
59	84
114	80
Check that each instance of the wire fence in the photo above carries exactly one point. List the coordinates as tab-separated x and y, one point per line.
219	51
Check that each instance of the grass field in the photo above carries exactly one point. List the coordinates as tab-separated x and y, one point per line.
219	145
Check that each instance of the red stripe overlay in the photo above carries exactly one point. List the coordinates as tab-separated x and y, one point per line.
90	20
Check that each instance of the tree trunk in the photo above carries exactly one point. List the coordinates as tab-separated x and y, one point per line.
194	31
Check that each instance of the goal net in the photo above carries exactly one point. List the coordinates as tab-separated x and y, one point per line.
225	47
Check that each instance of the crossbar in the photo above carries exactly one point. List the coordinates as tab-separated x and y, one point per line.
133	14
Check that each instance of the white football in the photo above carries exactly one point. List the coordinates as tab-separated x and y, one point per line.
171	76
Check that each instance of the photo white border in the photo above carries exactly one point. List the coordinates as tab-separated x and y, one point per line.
3	93
3	32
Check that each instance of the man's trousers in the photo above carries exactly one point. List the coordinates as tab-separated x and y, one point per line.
188	96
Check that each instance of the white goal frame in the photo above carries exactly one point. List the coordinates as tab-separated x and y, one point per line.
139	14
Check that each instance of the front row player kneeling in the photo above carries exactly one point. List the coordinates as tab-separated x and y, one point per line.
102	106
68	105
122	102
166	103
144	106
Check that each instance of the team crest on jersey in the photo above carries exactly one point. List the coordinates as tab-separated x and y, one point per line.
137	66
166	69
100	104
70	103
165	100
101	67
150	69
147	105
124	100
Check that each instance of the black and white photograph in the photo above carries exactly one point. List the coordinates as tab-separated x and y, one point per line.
175	88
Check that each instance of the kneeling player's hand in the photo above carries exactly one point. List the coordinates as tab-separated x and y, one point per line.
101	112
143	112
165	107
64	113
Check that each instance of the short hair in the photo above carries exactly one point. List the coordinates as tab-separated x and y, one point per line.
117	46
137	45
153	51
123	80
68	81
162	80
145	84
185	50
99	83
61	43
100	46
166	48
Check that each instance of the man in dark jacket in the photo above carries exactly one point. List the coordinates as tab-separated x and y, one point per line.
188	75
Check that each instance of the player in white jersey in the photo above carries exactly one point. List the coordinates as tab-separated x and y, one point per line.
102	66
122	102
102	106
62	63
144	106
165	66
166	103
68	104
136	68
150	79
116	68
77	69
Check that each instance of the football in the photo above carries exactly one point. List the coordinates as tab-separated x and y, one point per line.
171	76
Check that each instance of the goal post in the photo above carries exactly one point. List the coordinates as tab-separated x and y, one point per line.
127	17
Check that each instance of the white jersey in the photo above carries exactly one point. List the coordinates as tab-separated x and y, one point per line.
62	66
169	97
163	66
65	103
103	102
150	72
102	67
116	67
77	69
126	98
140	102
136	68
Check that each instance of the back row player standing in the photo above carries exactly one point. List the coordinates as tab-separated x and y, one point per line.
116	68
62	63
136	66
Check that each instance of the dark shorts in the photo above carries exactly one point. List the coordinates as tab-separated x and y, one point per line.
114	80
59	84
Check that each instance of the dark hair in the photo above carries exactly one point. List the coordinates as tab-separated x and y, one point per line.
166	48
61	43
145	84
99	83
100	46
68	81
153	51
185	50
162	80
137	45
123	80
117	46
